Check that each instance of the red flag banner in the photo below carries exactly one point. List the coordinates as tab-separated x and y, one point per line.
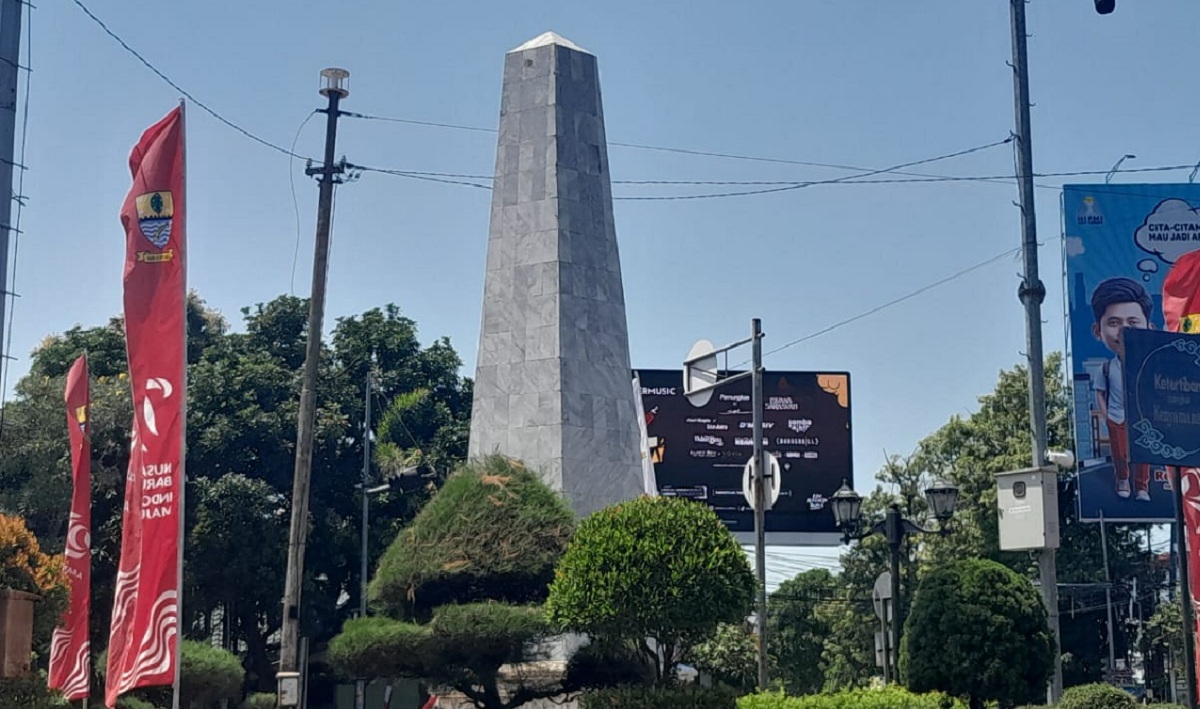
70	662
1181	310
1181	295
143	643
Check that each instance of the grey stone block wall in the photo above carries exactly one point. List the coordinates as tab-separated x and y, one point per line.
553	377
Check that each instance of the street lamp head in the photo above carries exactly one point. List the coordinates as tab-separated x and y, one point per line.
943	498
847	509
335	81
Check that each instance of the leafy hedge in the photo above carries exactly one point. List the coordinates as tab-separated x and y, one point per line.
261	700
659	698
1096	696
28	693
884	698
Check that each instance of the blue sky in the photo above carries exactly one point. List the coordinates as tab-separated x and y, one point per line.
852	82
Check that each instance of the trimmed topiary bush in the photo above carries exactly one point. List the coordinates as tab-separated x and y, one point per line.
494	532
877	698
1096	696
655	567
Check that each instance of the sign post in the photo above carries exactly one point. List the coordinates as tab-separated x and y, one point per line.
700	378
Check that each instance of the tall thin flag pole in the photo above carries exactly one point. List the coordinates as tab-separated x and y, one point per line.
183	425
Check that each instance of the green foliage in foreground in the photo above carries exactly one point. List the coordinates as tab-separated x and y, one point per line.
690	697
880	698
1097	695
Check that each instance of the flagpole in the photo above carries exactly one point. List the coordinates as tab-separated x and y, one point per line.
183	419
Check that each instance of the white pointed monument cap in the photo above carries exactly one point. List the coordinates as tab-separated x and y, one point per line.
548	38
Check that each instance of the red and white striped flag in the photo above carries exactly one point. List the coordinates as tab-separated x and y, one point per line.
70	647
143	648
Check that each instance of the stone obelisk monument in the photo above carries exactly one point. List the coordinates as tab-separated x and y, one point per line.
553	383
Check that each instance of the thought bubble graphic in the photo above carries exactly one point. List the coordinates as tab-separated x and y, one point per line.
1147	266
1170	231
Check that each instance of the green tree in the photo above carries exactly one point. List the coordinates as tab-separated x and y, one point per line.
460	588
659	568
797	632
243	394
235	557
729	656
977	630
970	450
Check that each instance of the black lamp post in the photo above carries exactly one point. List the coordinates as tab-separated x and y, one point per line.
847	511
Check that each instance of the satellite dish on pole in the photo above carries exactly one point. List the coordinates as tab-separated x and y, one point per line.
699	371
772	481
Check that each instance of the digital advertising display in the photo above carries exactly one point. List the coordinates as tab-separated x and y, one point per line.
700	452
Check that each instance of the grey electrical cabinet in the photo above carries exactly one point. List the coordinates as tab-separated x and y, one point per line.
1028	506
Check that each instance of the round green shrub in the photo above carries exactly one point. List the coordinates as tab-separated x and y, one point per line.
260	700
1096	696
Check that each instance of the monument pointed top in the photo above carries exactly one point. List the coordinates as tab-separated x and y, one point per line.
548	38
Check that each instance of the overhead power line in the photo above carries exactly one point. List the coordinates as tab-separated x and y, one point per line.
203	106
642	146
895	301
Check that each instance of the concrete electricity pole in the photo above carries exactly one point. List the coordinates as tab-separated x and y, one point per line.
1032	292
10	50
332	87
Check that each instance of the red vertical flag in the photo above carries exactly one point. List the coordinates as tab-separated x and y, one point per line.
144	641
1181	308
70	649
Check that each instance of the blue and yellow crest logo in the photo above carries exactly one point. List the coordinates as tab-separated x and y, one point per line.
155	212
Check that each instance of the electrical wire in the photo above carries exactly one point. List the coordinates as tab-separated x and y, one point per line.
896	301
454	178
19	198
203	106
295	203
642	146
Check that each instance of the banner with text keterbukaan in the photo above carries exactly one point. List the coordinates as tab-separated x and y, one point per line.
143	645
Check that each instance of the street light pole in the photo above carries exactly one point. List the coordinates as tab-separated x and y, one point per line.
847	512
894	525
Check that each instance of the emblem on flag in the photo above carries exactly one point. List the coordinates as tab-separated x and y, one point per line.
155	212
1190	324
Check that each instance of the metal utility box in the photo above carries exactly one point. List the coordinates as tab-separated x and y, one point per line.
1028	506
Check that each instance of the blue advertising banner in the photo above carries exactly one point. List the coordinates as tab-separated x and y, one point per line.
1120	241
1163	374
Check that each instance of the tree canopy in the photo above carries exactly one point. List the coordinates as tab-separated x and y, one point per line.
663	568
243	396
977	630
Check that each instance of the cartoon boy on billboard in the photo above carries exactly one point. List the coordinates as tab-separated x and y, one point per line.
1118	303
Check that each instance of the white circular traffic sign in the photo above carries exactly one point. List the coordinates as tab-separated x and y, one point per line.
773	482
